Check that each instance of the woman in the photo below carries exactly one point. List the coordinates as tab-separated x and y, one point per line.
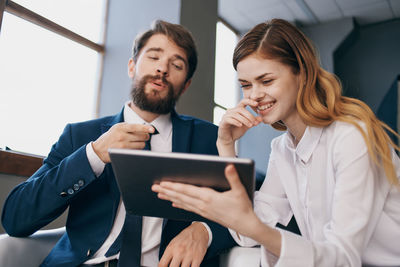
334	168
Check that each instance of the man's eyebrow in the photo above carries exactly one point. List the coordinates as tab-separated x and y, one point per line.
242	81
155	49
180	58
159	49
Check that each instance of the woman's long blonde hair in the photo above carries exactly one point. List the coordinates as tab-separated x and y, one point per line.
319	100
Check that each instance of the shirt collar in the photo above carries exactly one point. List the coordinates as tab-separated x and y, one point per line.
162	123
307	144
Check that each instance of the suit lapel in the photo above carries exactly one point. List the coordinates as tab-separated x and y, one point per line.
181	133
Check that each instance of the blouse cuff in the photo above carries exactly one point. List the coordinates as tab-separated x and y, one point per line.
295	250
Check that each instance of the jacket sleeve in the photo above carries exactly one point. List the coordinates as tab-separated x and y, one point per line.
48	192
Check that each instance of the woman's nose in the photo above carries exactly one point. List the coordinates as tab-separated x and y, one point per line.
257	93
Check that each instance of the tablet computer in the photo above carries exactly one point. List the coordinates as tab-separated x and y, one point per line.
137	170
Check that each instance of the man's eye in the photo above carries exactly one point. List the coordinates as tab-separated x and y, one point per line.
177	66
153	58
245	86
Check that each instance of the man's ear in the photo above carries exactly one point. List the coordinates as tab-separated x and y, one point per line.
187	84
131	68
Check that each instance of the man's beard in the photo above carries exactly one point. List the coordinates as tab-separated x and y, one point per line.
159	105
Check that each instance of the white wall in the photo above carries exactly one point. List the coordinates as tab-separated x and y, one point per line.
127	18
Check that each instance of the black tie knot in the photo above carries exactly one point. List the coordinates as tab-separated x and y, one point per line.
148	145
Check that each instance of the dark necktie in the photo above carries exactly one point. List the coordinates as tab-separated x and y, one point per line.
129	241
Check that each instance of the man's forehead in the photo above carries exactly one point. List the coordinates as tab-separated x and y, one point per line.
161	43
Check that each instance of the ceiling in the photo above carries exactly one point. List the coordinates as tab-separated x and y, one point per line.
242	15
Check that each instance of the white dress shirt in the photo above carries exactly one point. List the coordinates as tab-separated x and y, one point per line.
151	226
347	212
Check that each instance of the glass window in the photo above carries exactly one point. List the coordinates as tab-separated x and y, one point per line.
218	114
83	17
226	91
46	81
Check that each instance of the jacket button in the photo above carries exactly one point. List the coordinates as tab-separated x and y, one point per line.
76	187
88	252
81	182
63	194
70	191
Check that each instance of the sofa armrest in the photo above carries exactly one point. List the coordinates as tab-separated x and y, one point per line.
28	251
240	256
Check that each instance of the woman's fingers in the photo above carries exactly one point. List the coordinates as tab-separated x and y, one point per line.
233	178
247	102
177	192
239	117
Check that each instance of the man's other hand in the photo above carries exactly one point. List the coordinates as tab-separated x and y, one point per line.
122	135
187	249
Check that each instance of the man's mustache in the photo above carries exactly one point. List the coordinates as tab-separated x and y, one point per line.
157	77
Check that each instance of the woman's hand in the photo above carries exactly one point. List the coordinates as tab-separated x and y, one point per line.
232	208
234	124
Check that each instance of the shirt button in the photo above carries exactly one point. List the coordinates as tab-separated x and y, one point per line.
70	191
63	194
81	182
76	187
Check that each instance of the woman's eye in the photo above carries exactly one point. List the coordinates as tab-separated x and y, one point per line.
266	81
153	58
245	86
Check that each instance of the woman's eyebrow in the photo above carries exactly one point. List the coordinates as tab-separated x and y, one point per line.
257	78
262	76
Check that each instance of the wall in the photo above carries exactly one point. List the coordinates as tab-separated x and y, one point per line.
127	18
200	17
370	64
326	37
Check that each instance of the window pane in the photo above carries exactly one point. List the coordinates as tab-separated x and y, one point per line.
83	17
226	86
218	114
45	82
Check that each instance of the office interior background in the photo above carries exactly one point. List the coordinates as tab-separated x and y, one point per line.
66	61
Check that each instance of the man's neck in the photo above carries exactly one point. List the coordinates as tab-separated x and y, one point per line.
147	116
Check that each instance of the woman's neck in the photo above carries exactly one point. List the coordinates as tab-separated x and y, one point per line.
296	128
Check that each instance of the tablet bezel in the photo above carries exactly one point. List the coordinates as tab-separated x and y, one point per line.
148	166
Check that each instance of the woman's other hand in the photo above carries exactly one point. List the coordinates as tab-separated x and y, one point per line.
234	124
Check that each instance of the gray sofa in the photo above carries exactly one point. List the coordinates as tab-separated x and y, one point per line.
30	251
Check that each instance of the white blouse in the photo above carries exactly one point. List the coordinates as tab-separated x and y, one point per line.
347	212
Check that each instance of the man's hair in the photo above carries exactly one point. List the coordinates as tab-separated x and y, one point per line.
177	33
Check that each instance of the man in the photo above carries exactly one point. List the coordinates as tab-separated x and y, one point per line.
77	172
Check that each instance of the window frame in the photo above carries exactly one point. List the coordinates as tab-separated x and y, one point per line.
24	164
237	33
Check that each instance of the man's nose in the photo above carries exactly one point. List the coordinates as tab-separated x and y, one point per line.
162	68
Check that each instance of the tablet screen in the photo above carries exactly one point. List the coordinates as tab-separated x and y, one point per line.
137	170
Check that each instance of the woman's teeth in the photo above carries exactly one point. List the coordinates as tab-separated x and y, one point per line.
266	106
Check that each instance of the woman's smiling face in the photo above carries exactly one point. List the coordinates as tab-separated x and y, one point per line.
273	85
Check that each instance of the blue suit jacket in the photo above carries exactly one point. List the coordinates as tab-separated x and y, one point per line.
67	180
